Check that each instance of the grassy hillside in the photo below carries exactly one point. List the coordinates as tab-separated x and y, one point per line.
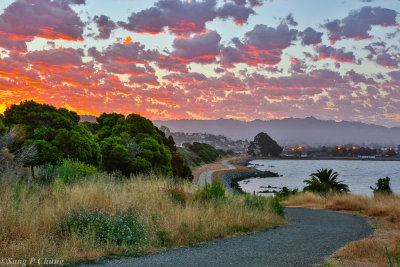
98	214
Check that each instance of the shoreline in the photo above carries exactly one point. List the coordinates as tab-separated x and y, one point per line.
318	158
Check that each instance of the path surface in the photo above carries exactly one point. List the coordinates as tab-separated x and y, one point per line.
206	177
310	237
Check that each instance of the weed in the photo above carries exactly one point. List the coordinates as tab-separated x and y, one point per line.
18	193
118	229
163	237
213	192
276	207
393	257
255	202
177	194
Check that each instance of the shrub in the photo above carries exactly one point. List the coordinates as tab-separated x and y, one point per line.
69	171
212	192
177	194
382	186
118	229
276	207
285	193
255	202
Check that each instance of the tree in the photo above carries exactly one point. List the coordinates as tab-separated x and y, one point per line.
264	145
46	153
115	155
52	129
325	180
147	146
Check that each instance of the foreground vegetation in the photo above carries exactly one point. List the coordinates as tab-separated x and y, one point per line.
86	214
382	248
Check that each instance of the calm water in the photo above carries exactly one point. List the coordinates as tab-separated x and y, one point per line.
359	175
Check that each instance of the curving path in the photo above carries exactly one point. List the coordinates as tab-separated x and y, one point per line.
310	237
206	177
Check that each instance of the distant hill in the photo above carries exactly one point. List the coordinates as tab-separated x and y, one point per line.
291	131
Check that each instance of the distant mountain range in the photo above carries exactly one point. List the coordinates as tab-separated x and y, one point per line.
291	131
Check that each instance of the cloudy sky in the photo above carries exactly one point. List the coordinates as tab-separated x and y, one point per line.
205	59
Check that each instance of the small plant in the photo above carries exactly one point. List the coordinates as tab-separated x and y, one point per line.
255	202
276	207
212	192
177	194
118	229
286	192
163	237
69	172
382	186
393	258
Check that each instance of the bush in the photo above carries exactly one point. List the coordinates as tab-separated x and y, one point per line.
255	202
382	186
69	172
276	207
177	194
212	192
286	192
119	229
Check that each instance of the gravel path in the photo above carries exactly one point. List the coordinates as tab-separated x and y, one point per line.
206	177
310	237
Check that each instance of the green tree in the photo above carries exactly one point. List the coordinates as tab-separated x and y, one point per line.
146	144
325	180
78	144
264	145
115	155
59	128
46	153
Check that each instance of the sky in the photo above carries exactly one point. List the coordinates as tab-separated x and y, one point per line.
205	59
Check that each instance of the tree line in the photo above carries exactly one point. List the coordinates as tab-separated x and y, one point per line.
38	134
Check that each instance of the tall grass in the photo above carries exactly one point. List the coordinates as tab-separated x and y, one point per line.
57	219
381	249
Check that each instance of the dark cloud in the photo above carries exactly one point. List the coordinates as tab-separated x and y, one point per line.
290	20
105	26
56	57
182	78
150	79
358	23
200	49
180	17
27	19
310	36
240	14
359	78
124	53
388	61
338	55
262	46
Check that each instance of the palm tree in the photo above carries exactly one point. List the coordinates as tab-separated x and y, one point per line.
325	180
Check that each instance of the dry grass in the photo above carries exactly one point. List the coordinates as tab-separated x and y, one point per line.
383	212
30	213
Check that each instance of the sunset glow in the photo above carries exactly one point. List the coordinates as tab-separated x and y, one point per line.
166	59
